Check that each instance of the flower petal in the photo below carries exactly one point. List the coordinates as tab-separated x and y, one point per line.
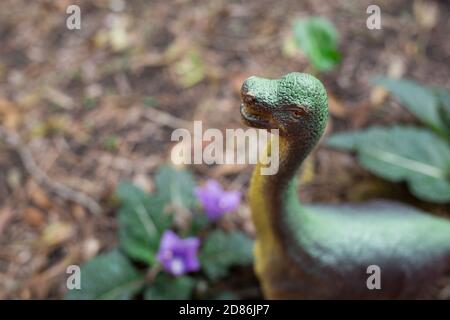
230	201
177	255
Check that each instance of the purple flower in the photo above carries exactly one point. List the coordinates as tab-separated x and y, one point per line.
178	256
217	201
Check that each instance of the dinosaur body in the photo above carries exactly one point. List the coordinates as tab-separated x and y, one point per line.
325	251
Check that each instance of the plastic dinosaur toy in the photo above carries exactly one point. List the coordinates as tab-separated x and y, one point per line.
321	251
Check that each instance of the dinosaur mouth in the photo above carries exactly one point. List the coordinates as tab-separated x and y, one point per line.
256	119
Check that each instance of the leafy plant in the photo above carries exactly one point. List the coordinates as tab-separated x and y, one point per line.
108	276
419	156
175	187
141	222
222	251
168	287
318	39
146	263
421	101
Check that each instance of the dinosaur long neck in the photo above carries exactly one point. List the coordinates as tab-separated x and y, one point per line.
274	198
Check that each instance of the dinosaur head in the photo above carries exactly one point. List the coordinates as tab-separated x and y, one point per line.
296	104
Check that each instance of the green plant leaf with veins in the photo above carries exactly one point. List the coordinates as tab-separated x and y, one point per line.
143	217
403	153
444	98
175	186
142	220
421	101
108	276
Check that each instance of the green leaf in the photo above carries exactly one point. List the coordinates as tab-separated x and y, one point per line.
444	99
166	287
142	221
142	218
400	153
318	39
175	186
223	250
344	141
421	101
108	276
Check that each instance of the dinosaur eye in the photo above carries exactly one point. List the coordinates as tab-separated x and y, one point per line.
298	113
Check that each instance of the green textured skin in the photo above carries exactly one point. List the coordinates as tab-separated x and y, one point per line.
324	251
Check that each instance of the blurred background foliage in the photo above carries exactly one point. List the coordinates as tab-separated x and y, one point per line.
86	118
420	156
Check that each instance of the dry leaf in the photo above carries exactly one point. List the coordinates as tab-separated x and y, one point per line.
59	98
336	106
38	196
9	114
426	13
396	67
57	233
144	182
290	48
119	39
6	214
78	212
14	177
377	96
34	217
30	99
190	70
396	70
91	247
